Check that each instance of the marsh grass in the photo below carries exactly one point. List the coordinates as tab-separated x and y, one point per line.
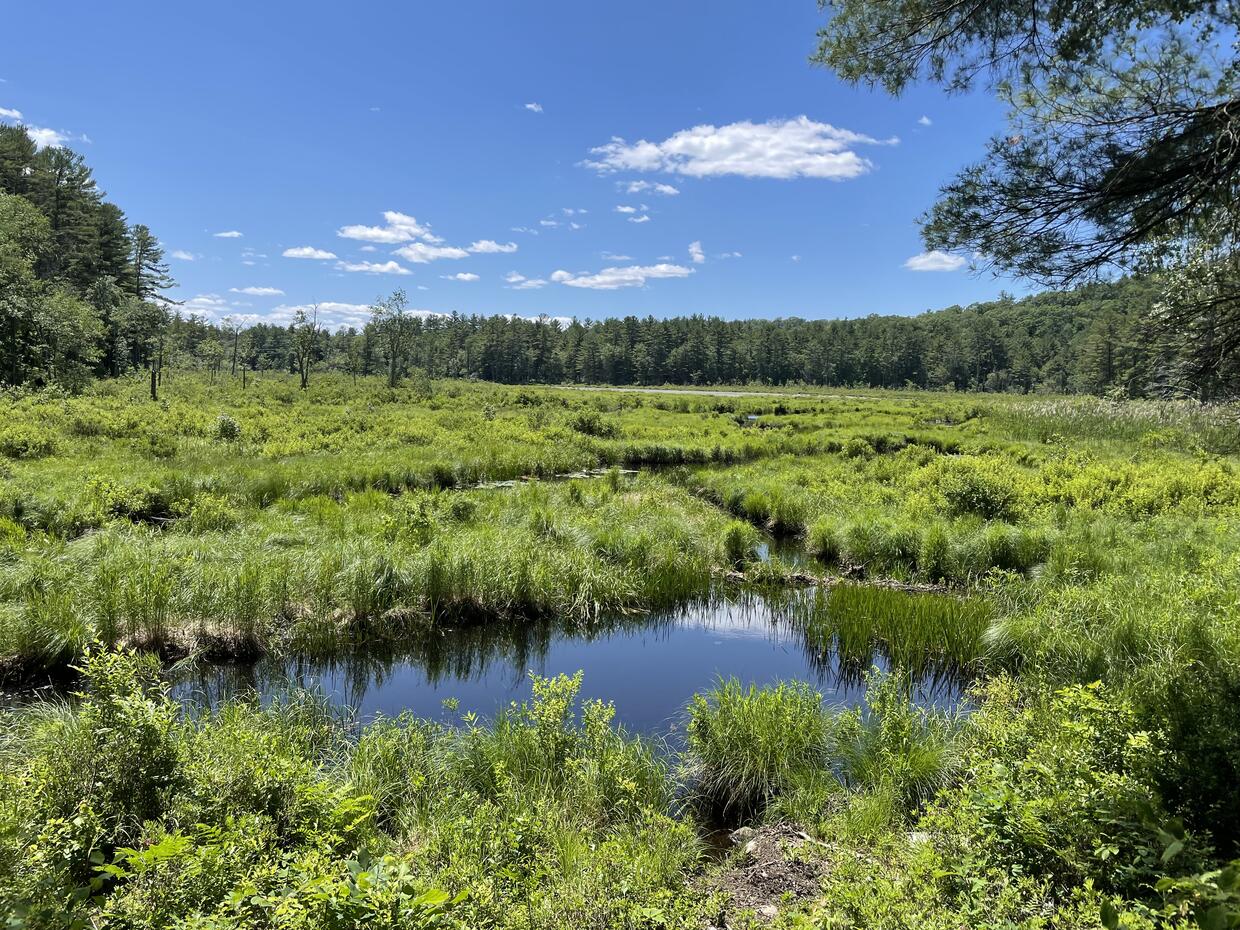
746	745
778	752
915	631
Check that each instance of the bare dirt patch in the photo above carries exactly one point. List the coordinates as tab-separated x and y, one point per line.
775	869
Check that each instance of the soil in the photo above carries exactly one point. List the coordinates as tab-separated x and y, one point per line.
776	868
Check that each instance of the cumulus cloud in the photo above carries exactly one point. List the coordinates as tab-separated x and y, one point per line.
925	121
331	313
639	219
183	256
637	187
935	261
460	276
792	148
6	113
525	229
398	227
551	224
519	282
374	267
610	279
696	253
490	246
45	138
206	305
257	291
308	251
534	107
421	253
730	255
613	257
625	208
228	234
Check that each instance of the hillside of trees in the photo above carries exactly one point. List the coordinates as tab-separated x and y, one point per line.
81	297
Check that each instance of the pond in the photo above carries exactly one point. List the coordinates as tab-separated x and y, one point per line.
649	665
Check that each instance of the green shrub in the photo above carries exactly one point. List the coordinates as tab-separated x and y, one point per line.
858	448
592	423
1061	786
24	441
211	513
986	487
226	429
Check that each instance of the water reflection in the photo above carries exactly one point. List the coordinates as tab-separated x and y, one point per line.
649	665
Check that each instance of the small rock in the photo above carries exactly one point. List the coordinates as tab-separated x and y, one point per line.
918	838
751	847
743	835
769	911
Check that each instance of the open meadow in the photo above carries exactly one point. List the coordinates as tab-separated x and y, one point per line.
1071	566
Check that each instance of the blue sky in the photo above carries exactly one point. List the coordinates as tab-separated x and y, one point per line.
440	147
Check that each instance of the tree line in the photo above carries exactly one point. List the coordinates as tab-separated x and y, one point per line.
1093	339
81	297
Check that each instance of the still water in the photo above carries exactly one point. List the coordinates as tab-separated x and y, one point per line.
649	665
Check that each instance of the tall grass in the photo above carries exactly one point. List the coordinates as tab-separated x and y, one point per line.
918	631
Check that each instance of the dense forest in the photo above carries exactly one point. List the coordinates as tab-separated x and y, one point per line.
82	296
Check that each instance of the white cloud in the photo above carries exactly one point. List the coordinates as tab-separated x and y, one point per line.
696	253
613	257
44	138
525	229
332	314
730	255
925	121
519	282
792	148
308	251
624	208
796	258
368	248
206	304
534	107
639	219
6	113
490	246
549	223
228	234
460	276
257	291
374	267
400	227
609	279
421	253
183	256
569	211
935	261
636	187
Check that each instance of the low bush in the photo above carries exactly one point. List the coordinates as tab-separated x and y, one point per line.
23	441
